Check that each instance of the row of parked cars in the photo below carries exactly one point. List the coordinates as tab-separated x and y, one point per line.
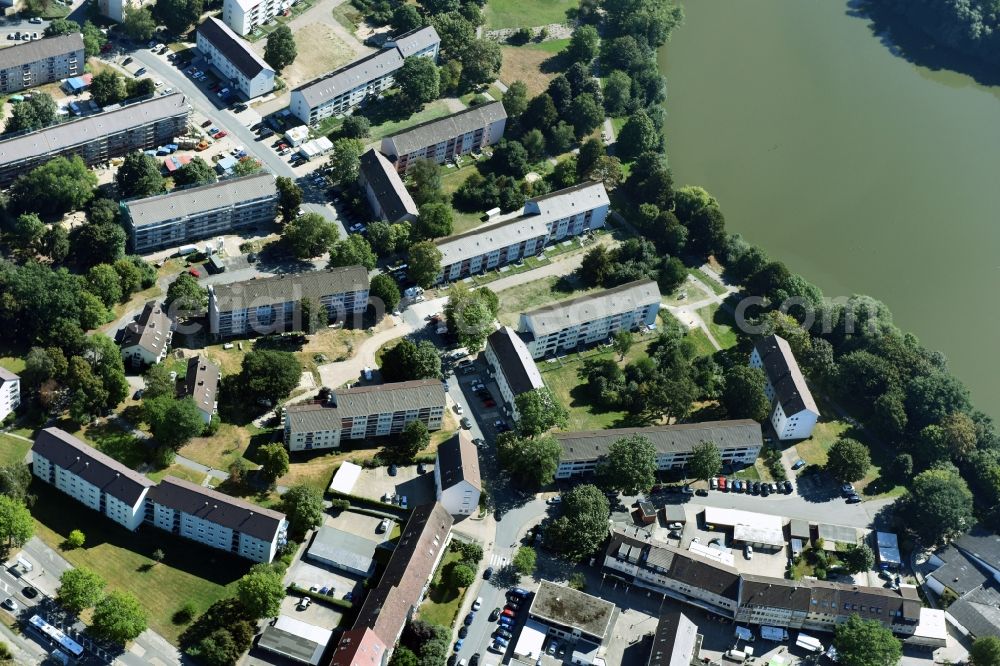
762	488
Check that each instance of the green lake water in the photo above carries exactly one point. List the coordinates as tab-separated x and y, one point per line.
862	171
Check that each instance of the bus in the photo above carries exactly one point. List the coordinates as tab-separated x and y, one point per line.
64	641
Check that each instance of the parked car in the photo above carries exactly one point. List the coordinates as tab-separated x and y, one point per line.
846	490
10	604
470	618
494	614
713	483
853	499
505	621
304	603
488	573
799	464
194	272
503	633
458	645
507	613
748	552
474	660
139	72
765	490
463	632
382	526
477	604
788	486
393	470
554	500
466	423
207	123
756	487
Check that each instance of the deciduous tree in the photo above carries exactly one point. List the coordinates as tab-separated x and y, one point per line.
178	15
261	591
289	197
937	506
309	235
54	188
848	460
743	396
638	136
173	422
418	82
32	114
345	161
80	589
268	375
434	221
524	560
184	294
16	525
139	23
385	289
985	651
200	172
706	461
583	525
414	438
630	465
304	507
280	51
425	263
583	44
273	459
866	643
425	181
532	460
352	251
410	360
119	617
515	100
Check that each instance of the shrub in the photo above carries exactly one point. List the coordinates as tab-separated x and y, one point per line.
340	505
185	613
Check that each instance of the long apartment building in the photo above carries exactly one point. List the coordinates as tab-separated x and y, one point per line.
216	520
546	219
185	215
272	305
748	598
234	58
589	319
447	138
41	61
364	412
343	89
739	443
98	138
129	498
10	393
392	603
794	412
510	364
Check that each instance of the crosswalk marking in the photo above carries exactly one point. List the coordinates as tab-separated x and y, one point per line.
498	560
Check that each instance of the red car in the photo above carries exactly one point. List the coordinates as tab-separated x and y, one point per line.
195	272
220	134
722	483
507	613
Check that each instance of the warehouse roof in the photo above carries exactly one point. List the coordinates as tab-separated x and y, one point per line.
232	47
358	73
978	611
617	300
293	287
363	401
215	507
295	639
150	330
515	361
458	460
435	131
387	186
785	376
66	451
668	439
348	550
83	130
181	203
40	49
561	605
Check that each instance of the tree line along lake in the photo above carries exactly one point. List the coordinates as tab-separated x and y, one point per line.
859	169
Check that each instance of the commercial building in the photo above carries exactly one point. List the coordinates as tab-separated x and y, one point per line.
343	550
244	16
391	604
10	393
384	189
582	620
446	138
888	553
340	91
977	613
216	520
588	319
456	475
95	480
364	412
196	213
676	641
234	59
201	384
98	138
763	531
115	9
510	364
546	219
147	339
739	443
794	412
982	546
272	305
41	61
295	640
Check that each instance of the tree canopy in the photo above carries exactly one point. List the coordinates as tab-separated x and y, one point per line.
54	188
533	460
848	460
139	176
418	82
304	507
539	411
985	651
198	172
268	375
80	588
289	197
425	263
309	235
866	643
410	360
629	466
385	289
583	525
743	395
706	461
352	251
119	617
34	113
173	422
280	50
470	313
16	524
261	591
937	506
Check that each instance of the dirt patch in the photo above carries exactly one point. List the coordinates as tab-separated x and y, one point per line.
526	64
320	51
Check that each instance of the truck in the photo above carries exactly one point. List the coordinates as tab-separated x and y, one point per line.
737	655
185	250
776	634
809	643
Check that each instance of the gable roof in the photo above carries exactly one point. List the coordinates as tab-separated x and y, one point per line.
182	203
978	611
432	132
150	330
233	49
358	647
668	439
515	361
364	401
489	238
982	544
786	378
387	186
415	40
350	76
458	460
284	288
202	383
40	49
6	375
675	641
617	300
207	504
569	201
66	451
771	592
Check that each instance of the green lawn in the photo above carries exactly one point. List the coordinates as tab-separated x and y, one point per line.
436	109
442	602
712	284
189	572
720	322
12	450
701	342
451	180
525	297
179	471
13	363
518	14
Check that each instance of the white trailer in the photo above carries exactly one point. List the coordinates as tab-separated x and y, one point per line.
776	634
809	643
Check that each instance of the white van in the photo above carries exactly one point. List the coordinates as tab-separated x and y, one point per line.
736	655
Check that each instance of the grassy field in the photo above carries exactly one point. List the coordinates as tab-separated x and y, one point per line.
535	294
712	284
12	450
528	63
179	471
517	14
720	322
223	448
436	109
13	363
701	342
443	599
320	50
451	180
692	292
189	572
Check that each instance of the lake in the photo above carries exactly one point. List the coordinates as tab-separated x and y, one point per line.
858	169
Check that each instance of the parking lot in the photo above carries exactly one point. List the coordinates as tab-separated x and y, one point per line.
378	484
359	524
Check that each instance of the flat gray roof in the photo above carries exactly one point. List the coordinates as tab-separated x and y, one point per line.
193	201
617	300
348	550
587	445
40	49
435	131
565	606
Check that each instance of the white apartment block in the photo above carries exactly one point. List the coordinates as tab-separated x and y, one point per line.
196	213
593	318
201	384
341	90
510	364
447	138
98	138
234	58
216	520
10	393
739	443
90	477
364	412
148	338
271	305
794	413
547	219
41	61
116	9
456	475
245	16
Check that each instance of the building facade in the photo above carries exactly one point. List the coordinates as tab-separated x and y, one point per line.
593	318
10	393
201	384
234	59
273	305
794	412
338	92
739	443
510	364
456	475
41	61
95	480
364	412
139	126
547	219
245	16
148	338
115	9
447	138
196	213
384	189
216	520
